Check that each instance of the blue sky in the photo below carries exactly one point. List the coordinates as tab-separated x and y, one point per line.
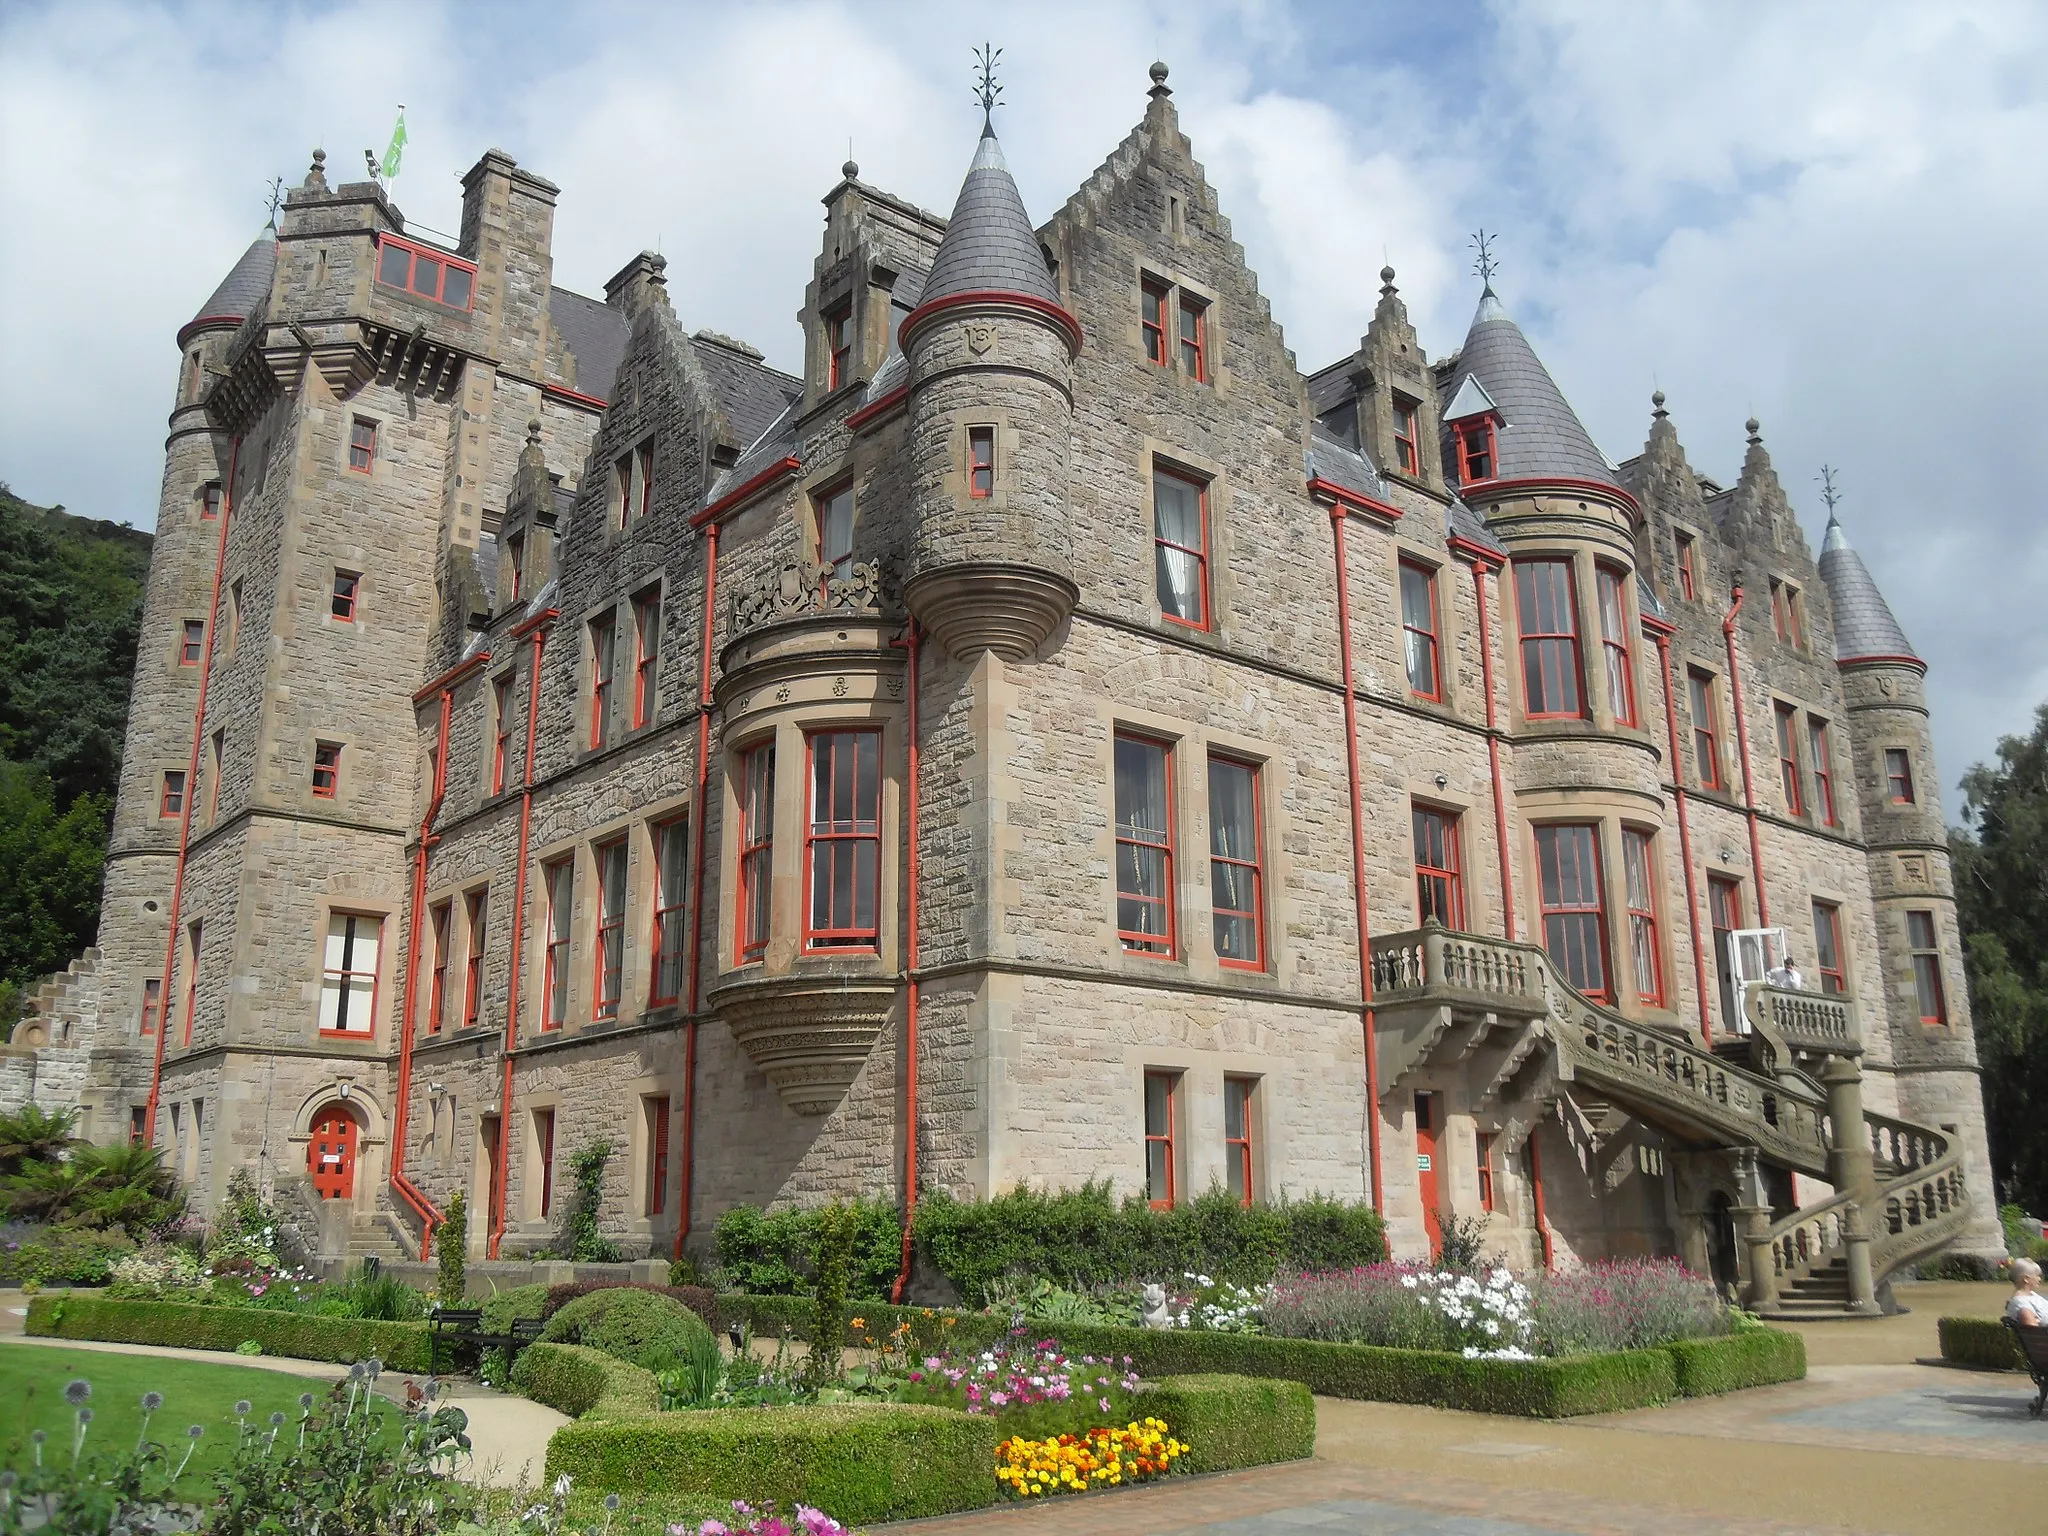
1825	215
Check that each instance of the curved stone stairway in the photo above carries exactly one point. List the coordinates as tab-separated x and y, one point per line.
1498	1009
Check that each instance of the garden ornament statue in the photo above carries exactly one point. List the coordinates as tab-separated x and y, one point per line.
1156	1313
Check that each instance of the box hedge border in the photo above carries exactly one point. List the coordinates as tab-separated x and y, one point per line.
1983	1342
581	1382
1751	1357
1234	1421
342	1340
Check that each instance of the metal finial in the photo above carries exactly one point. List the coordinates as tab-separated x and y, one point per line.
1485	266
986	90
275	200
1828	492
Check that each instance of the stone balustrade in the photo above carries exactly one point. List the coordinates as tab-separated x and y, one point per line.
1902	1145
1811	1022
1437	959
1810	1238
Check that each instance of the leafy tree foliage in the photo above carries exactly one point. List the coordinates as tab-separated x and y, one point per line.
2001	868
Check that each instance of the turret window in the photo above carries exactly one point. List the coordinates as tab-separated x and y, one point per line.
1706	728
1926	952
839	346
192	643
362	445
152	1004
757	849
1419	630
1621	680
1475	450
981	462
1153	311
171	802
1547	602
1144	845
1194	340
1898	775
843	842
1821	758
1180	535
209	500
1407	436
1574	905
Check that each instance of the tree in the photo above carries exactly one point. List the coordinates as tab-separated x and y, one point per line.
50	898
2001	870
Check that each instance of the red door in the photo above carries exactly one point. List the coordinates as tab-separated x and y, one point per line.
1426	1167
331	1154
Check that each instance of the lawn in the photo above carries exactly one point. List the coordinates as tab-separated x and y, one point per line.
32	1380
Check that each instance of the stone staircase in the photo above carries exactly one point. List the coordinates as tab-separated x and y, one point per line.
1451	999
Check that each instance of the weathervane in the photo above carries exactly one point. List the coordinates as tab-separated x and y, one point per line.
1828	493
275	201
1485	266
986	91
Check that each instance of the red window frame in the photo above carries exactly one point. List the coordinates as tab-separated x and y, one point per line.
608	957
1238	1094
209	501
604	641
1194	339
152	1004
326	769
1420	650
843	831
1639	874
643	458
1786	718
1924	944
646	654
1688	570
442	917
1898	775
1152	319
1549	621
1827	948
756	787
362	444
1237	866
544	1141
1476	450
558	880
655	1108
1165	549
839	345
668	944
835	538
1821	751
515	558
1407	436
346	585
501	731
138	1117
1571	914
426	273
476	912
1439	876
1482	1149
192	647
1706	727
1142	848
1162	1094
1611	582
981	462
346	974
194	933
171	802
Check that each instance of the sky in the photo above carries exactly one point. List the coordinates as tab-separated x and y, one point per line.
1825	215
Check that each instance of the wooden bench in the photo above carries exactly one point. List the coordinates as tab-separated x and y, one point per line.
2033	1343
465	1326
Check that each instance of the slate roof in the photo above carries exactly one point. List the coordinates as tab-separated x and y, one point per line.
753	394
1331	460
989	245
1543	435
778	442
1461	522
596	336
1864	624
246	285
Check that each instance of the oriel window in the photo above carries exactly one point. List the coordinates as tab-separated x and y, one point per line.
1574	905
843	842
1547	605
757	849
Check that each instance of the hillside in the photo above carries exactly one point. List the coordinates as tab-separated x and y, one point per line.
70	605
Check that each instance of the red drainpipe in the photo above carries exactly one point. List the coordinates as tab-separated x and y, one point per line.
1480	566
537	626
163	1013
1692	894
1369	1014
910	968
1756	847
698	817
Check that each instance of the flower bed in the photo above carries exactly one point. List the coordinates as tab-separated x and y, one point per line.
1103	1457
402	1346
1033	1386
1983	1342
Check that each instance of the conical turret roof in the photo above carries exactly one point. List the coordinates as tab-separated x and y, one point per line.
989	244
1543	435
245	286
1864	624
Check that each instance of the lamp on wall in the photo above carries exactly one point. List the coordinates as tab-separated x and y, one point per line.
1442	781
1727	855
347	1088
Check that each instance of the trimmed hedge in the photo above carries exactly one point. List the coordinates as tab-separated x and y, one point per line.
1234	1421
1984	1342
518	1304
697	1298
1753	1357
343	1340
585	1382
857	1463
650	1330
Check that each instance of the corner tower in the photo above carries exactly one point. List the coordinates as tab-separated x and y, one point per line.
991	348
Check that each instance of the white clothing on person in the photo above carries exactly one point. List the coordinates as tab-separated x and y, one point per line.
2031	1303
1786	976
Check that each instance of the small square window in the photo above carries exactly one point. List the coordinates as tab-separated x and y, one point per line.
209	500
172	801
344	604
1898	775
981	462
362	445
326	768
192	643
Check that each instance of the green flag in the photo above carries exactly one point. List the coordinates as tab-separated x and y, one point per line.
397	149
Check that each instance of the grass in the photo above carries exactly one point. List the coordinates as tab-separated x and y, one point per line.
32	1379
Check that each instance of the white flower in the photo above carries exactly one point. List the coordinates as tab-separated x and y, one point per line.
1408	1281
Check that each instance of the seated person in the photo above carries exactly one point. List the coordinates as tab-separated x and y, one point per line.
2028	1307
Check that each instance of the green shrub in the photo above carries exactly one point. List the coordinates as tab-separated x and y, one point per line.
401	1346
582	1239
451	1243
1234	1421
858	1464
1754	1357
1980	1341
648	1329
776	1253
379	1297
65	1258
572	1379
700	1301
518	1304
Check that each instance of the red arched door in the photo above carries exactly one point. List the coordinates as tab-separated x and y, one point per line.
331	1153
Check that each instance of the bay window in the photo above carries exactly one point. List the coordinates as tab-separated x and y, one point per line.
843	842
1574	905
1547	605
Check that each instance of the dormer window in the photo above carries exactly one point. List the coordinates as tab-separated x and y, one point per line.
424	273
1407	453
839	343
1475	450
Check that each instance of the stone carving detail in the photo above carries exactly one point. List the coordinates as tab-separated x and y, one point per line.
801	589
981	336
1913	868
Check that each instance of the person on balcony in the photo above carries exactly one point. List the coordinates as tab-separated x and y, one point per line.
1786	975
2028	1307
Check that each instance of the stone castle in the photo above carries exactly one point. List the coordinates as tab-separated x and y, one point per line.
1050	739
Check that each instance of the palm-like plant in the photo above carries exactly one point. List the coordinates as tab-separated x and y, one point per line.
31	1134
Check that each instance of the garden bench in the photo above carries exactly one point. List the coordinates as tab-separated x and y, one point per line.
2033	1343
465	1325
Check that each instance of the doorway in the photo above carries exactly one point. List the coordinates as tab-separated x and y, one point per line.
487	1144
1724	908
1723	1263
331	1153
1426	1168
